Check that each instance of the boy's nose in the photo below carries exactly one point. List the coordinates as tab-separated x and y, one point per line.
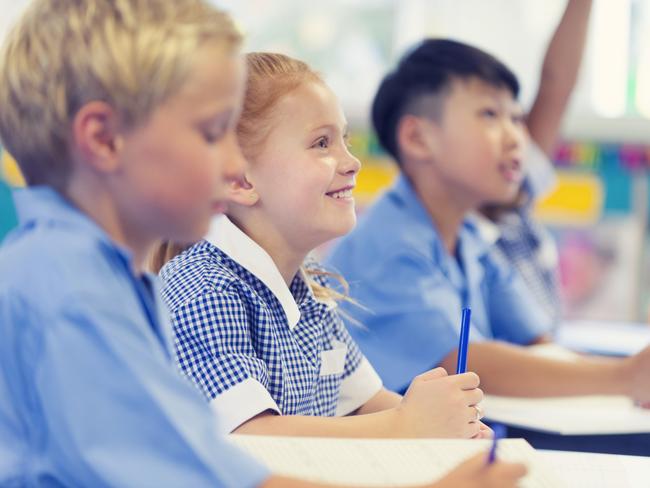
515	135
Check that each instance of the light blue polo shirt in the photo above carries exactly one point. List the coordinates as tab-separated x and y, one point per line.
411	291
89	391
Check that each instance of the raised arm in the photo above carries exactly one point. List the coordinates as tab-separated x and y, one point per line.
559	74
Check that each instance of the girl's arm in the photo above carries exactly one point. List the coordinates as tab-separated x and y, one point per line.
383	400
435	405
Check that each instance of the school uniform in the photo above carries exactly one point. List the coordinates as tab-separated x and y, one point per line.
526	244
253	344
413	290
89	392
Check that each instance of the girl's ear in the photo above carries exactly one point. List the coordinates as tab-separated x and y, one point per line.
242	192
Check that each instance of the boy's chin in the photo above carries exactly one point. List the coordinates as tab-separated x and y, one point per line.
503	198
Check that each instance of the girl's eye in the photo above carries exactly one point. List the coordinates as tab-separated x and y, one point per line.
322	143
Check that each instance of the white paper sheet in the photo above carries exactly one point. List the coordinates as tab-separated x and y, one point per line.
587	470
385	462
582	415
611	338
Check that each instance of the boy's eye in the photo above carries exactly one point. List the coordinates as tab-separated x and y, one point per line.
489	113
214	131
518	119
212	136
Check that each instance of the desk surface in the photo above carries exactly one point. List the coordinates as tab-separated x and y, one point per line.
626	444
584	470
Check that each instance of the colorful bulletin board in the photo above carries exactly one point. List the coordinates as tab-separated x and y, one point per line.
9	175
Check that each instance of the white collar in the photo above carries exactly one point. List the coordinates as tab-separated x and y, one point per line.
231	240
487	230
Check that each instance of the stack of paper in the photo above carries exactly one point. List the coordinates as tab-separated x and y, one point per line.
385	462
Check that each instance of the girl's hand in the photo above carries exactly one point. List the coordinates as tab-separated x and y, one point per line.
438	405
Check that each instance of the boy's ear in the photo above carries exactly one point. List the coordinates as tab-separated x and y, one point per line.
96	137
417	138
243	192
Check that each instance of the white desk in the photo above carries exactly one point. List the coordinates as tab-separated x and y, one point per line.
587	470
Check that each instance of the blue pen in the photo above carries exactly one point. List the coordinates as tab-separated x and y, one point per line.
461	365
499	433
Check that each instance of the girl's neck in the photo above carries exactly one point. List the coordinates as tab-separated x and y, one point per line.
286	257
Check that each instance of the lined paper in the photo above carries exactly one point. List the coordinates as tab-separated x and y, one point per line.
385	462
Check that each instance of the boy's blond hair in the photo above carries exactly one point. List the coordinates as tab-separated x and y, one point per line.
62	54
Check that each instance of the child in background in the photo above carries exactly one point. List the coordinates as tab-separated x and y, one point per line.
520	240
256	326
448	115
90	92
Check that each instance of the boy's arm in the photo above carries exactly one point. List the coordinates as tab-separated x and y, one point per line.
506	369
559	74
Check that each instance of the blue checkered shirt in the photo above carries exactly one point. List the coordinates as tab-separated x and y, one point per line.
522	244
528	246
230	327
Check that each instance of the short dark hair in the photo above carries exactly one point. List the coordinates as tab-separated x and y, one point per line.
429	69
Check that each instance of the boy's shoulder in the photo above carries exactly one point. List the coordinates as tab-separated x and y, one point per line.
46	266
201	269
390	228
394	216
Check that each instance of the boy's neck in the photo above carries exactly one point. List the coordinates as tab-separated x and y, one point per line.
445	211
97	203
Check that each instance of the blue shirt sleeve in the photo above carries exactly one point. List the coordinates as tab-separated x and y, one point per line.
213	343
108	405
515	316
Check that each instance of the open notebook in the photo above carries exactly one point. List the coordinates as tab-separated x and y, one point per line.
385	462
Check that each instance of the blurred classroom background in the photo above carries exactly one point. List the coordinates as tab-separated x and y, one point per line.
599	210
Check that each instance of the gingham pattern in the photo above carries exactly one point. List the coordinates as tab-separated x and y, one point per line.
229	327
519	244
